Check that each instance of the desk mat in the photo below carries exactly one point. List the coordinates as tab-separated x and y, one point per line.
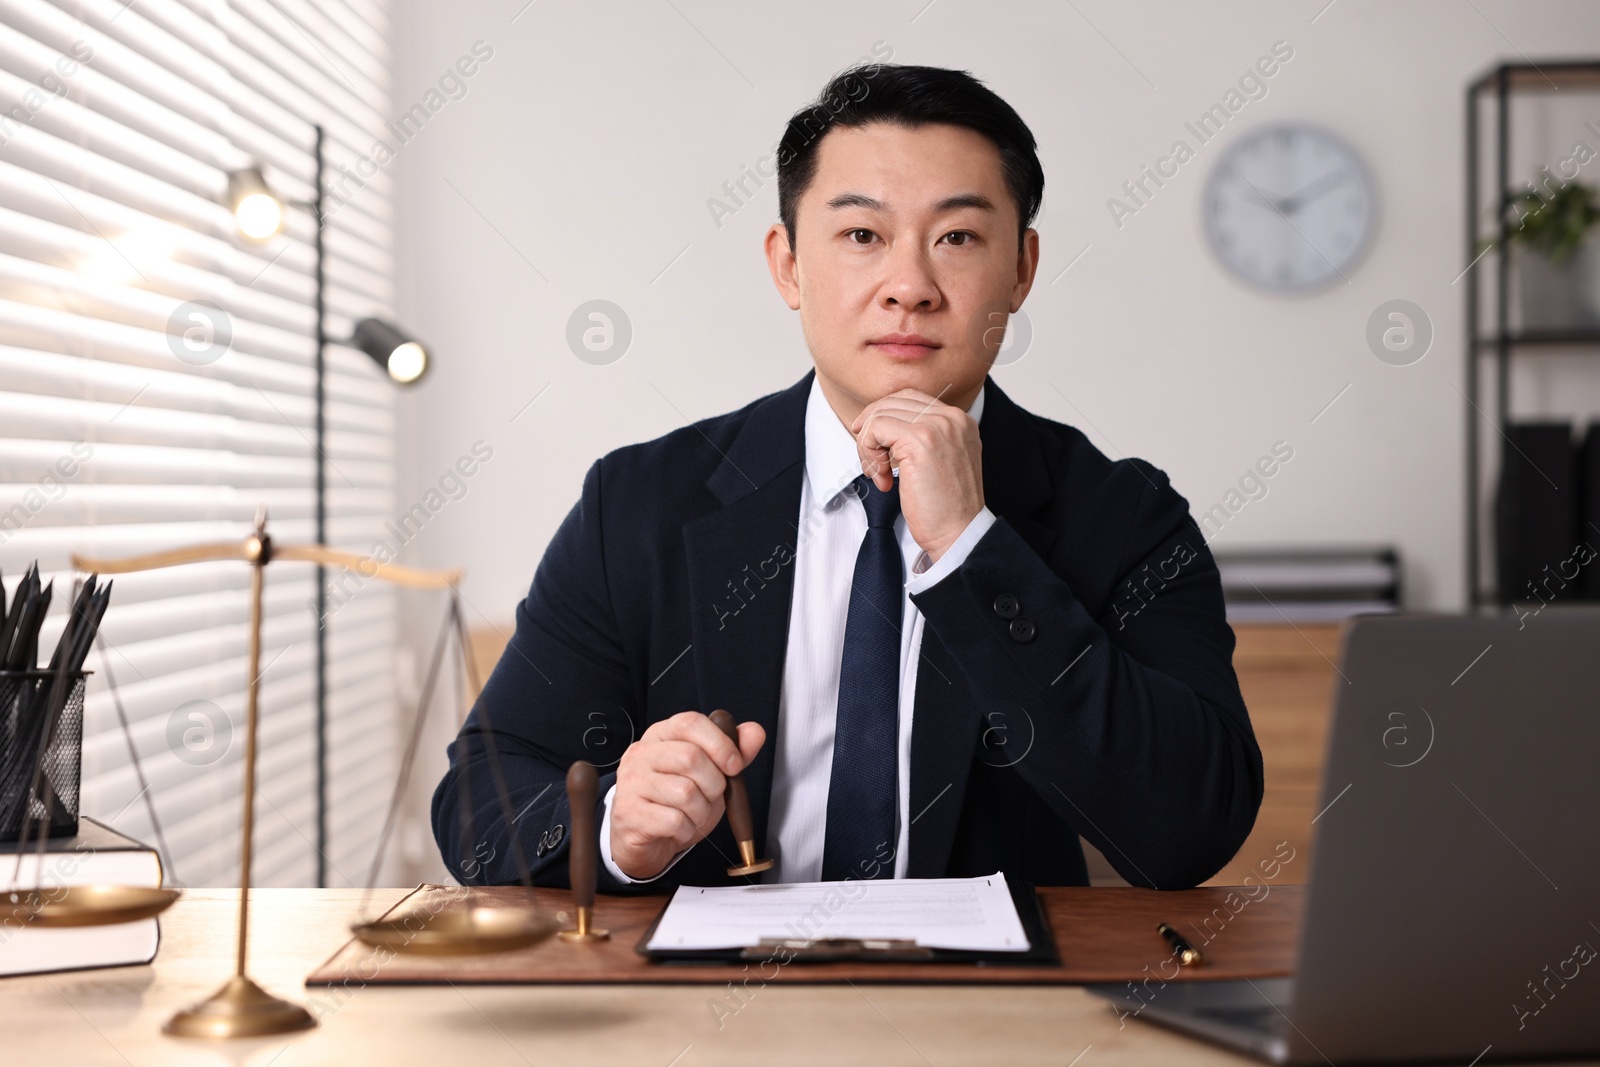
1103	933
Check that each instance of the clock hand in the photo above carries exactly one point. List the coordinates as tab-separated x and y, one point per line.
1300	197
1275	205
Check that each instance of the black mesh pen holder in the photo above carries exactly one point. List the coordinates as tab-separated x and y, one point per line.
28	728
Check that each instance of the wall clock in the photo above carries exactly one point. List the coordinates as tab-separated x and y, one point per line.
1290	208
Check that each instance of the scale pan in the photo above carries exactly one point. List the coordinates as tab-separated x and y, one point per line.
87	905
468	932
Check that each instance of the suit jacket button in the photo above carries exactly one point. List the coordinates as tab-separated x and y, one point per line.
1006	606
1022	630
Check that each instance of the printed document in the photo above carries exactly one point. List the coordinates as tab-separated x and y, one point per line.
953	913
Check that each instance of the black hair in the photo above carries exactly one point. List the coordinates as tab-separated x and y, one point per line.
909	96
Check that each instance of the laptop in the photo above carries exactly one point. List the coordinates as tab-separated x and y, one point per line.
1453	910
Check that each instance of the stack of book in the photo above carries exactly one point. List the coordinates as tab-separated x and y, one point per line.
96	855
1308	584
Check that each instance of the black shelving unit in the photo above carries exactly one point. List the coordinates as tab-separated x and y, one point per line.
1495	89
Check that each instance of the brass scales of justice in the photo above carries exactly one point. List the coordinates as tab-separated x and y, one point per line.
241	1008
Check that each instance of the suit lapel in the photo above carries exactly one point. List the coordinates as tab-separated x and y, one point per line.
741	576
947	720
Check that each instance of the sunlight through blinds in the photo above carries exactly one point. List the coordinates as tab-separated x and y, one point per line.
156	385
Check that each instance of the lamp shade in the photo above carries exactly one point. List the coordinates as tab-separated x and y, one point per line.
402	357
256	209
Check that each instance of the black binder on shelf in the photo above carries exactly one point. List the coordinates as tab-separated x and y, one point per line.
1589	510
1536	513
1041	951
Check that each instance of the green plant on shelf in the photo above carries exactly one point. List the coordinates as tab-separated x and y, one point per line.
1555	225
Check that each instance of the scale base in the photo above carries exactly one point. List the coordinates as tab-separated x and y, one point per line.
239	1009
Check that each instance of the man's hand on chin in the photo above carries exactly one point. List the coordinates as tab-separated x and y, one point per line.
940	458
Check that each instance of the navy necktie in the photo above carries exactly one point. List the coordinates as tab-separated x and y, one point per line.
860	837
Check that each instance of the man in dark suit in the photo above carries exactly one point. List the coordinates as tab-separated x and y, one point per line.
969	636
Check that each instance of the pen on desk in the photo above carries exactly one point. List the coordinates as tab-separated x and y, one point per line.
1187	953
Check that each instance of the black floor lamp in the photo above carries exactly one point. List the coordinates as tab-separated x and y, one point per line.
259	214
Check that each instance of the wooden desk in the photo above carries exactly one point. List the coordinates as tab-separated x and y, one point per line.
1102	934
114	1016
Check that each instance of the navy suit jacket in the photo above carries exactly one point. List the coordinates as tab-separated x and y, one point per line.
1076	674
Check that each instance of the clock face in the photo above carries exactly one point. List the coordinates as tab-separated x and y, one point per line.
1289	208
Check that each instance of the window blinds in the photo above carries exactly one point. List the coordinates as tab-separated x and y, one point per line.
156	385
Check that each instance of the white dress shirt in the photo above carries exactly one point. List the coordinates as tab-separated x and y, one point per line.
832	525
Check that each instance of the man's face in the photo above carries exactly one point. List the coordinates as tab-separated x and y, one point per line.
905	263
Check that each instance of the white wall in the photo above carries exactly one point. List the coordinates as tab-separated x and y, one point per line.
579	164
